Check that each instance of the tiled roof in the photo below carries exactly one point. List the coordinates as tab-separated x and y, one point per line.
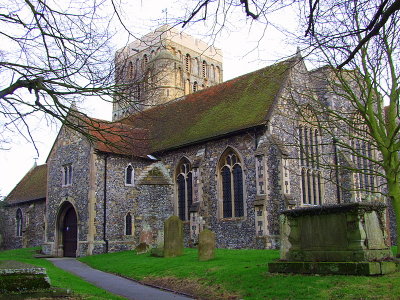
32	186
234	105
118	138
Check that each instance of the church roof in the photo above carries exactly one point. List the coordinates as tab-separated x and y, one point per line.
235	105
33	186
118	138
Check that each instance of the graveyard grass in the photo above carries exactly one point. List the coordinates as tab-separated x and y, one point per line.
241	274
233	274
58	278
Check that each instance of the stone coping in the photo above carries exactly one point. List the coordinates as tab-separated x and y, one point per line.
335	208
8	267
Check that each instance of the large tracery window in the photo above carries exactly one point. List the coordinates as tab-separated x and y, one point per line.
363	157
184	183
232	185
311	178
18	219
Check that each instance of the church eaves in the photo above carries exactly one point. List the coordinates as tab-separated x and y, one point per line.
33	186
232	106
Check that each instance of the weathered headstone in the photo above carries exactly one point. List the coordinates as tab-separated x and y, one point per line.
142	248
173	237
206	245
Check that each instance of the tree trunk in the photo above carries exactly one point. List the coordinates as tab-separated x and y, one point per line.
394	195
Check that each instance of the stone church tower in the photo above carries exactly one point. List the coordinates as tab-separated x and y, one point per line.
161	66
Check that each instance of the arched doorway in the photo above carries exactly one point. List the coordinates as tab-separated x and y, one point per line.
68	230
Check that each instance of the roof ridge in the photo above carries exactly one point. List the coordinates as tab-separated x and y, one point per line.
178	99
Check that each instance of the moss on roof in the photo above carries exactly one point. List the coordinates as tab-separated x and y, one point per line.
33	186
234	105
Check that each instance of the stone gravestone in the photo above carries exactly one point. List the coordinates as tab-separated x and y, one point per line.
173	237
142	248
206	245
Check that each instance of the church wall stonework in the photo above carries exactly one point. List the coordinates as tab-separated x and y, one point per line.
32	225
148	204
73	149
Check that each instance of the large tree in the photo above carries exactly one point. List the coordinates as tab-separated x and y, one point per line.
54	54
358	42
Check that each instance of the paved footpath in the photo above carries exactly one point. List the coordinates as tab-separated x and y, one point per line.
113	283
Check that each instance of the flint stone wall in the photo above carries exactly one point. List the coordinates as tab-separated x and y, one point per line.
32	225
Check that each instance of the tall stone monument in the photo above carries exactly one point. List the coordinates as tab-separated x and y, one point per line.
173	237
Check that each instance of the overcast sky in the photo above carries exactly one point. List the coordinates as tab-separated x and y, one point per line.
243	52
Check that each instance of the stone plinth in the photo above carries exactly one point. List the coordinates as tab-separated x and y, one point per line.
354	233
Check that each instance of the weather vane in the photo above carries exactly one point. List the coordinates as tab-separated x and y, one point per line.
165	10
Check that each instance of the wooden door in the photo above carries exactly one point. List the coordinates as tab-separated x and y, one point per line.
70	233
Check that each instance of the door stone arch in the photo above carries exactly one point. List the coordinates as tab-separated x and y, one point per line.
67	230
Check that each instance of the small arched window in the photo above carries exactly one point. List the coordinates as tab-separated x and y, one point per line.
67	175
129	175
184	187
188	63
130	70
204	68
128	224
18	218
144	62
231	175
195	86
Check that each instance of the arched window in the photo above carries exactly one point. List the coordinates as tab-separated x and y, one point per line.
128	224
130	70
212	72
184	187
188	63
363	155
231	174
129	175
67	175
144	62
195	86
18	219
310	152
204	68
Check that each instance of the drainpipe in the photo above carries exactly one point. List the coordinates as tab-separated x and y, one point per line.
336	161
105	205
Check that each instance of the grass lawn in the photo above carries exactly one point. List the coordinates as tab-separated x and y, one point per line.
58	277
242	274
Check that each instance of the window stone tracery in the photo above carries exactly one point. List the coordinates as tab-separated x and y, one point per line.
184	185
231	173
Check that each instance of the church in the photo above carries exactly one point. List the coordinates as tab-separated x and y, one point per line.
227	156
